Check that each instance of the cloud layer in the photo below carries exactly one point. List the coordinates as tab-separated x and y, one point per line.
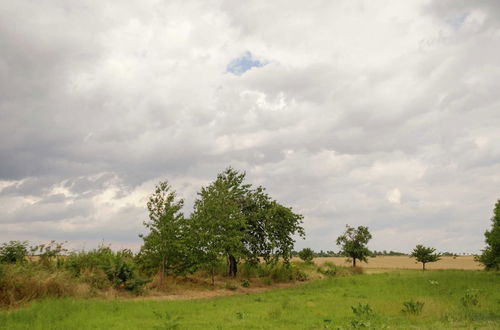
366	113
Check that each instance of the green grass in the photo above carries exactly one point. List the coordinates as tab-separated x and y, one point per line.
316	305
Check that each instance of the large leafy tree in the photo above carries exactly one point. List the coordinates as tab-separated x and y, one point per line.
233	220
165	249
353	243
424	255
490	257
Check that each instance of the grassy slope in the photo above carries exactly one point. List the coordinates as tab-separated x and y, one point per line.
320	304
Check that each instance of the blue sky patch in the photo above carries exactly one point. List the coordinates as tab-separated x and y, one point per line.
240	65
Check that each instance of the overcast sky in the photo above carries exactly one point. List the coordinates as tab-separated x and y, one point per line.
377	113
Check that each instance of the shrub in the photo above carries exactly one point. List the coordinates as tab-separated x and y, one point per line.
327	269
470	298
13	252
412	307
307	255
99	265
245	283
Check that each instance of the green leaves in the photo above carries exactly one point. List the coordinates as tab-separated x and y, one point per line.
232	219
353	243
165	246
424	255
490	257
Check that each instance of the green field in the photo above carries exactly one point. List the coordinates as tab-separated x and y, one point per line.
452	299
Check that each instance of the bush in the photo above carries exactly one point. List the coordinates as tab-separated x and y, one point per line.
245	283
97	266
412	307
328	269
13	252
307	255
470	298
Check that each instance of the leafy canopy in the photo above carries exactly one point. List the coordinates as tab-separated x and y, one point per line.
164	246
353	243
490	257
424	255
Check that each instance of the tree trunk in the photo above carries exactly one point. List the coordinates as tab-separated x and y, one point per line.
354	262
233	266
423	266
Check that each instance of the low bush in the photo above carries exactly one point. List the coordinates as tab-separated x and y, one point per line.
327	269
412	307
97	266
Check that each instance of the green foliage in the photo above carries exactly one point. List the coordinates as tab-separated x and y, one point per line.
245	283
490	257
233	220
363	314
328	269
307	255
353	243
102	267
165	248
166	321
412	307
470	298
47	253
424	255
13	252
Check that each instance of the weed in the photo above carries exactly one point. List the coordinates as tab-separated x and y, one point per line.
412	307
470	298
167	321
362	311
245	283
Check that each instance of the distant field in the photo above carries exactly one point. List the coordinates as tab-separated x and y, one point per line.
404	262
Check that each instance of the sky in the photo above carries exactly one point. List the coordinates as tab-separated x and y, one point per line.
377	113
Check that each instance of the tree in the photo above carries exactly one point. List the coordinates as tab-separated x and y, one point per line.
424	255
353	243
307	255
490	257
165	244
218	220
13	252
233	220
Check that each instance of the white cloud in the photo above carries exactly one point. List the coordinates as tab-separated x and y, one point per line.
394	196
356	103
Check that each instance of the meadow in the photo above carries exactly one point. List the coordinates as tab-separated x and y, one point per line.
400	299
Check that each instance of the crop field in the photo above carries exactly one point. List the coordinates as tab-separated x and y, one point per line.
405	262
403	299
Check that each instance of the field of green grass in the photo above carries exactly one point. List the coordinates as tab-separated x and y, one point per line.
451	299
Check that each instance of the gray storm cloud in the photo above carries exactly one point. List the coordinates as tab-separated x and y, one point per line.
366	113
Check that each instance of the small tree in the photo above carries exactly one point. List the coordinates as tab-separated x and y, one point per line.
307	255
490	257
14	251
424	255
164	247
353	243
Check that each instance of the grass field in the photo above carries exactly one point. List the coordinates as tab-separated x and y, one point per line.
405	262
451	299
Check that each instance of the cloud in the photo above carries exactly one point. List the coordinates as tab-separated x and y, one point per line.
356	102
